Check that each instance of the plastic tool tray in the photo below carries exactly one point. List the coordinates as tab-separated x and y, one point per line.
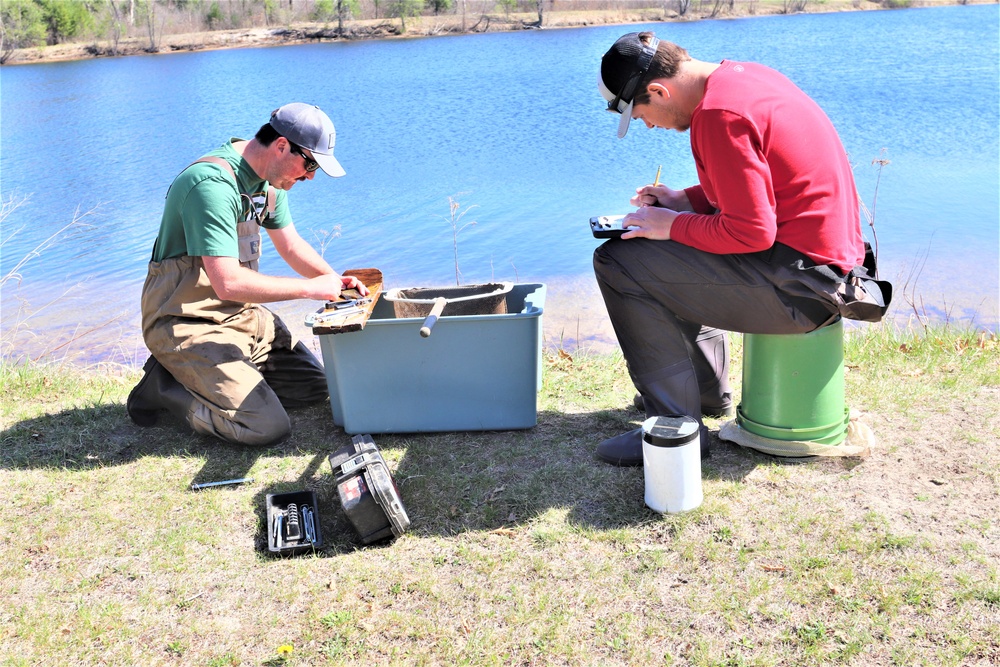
367	491
292	523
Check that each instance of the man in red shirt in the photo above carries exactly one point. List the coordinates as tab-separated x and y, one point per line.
769	240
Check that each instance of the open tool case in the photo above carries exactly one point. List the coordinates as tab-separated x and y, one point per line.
292	523
367	491
351	311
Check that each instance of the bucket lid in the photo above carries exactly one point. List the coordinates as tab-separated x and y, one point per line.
669	430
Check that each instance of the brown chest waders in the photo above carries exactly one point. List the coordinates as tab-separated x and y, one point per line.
238	361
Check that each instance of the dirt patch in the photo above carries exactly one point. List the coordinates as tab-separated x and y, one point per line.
933	472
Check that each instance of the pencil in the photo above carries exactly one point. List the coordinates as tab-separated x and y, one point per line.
656	181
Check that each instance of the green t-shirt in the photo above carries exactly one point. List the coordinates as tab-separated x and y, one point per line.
204	206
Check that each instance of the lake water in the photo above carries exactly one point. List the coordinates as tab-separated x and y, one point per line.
508	124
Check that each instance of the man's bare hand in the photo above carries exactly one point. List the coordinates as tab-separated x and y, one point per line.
351	282
661	195
649	222
329	286
326	287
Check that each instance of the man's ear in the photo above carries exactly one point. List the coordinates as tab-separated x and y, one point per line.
658	89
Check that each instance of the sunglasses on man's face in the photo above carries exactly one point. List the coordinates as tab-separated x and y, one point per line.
311	164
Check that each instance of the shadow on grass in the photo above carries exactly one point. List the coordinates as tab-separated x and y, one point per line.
450	483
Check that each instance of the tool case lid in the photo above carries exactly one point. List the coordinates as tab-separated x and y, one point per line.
387	496
360	452
363	457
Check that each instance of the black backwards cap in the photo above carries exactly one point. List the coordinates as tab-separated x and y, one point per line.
622	68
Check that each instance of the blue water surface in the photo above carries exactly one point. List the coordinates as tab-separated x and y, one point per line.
511	126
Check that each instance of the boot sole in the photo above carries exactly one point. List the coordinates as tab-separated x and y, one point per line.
619	462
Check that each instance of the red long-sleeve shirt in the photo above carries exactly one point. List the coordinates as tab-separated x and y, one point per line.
770	168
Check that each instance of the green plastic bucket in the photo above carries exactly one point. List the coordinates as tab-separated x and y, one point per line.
793	386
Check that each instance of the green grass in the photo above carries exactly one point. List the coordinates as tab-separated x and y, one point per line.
523	548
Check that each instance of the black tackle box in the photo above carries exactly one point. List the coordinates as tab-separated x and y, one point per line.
367	492
292	523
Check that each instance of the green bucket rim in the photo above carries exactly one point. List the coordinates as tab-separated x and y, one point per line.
827	434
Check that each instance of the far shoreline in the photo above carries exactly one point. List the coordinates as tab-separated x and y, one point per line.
416	28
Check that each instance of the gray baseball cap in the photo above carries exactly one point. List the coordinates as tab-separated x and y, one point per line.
307	126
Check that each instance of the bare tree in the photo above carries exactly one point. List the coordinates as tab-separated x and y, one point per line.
115	28
149	9
344	8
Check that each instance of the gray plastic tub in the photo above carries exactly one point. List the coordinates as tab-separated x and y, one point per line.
475	373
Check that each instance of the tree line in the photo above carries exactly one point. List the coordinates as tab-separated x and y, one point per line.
29	23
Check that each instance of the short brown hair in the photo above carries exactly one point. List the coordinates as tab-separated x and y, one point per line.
665	64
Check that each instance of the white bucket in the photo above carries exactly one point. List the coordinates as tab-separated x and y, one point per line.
671	459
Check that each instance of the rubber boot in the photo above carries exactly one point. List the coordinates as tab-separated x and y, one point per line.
711	364
719	412
157	390
142	411
666	392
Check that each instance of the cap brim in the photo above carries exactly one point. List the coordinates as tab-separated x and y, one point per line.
329	165
625	120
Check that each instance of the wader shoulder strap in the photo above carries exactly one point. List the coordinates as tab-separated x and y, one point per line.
272	196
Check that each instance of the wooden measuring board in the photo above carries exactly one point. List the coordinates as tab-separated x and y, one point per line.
331	320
